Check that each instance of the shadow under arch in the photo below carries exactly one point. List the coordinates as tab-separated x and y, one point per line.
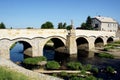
19	50
82	47
110	40
55	49
99	42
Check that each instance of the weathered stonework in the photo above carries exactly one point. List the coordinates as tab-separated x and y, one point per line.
37	38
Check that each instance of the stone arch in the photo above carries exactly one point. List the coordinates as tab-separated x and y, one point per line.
99	42
59	44
82	43
109	40
27	46
56	40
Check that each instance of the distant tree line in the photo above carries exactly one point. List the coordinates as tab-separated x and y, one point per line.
49	25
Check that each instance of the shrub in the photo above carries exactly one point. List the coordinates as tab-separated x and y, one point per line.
63	74
105	55
110	69
95	70
52	65
88	67
74	65
34	60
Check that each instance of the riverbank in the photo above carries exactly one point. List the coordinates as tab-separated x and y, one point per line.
33	75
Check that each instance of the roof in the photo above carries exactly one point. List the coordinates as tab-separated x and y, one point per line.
105	19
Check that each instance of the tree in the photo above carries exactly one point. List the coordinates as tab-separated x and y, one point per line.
61	25
47	25
88	24
29	28
69	27
2	26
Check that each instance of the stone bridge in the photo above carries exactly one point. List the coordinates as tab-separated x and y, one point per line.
37	38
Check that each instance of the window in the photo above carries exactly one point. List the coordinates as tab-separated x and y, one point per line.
96	25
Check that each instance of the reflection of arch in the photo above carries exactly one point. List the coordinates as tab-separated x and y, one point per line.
27	45
82	43
22	50
57	43
99	42
109	40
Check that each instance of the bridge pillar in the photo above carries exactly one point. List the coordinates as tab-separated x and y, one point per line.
71	42
36	48
4	49
91	43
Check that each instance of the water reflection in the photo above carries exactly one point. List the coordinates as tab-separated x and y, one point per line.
16	54
85	57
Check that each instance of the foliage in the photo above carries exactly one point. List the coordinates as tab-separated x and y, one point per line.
63	74
29	28
69	27
105	55
13	45
2	25
74	65
84	78
62	25
95	70
110	69
7	74
34	60
88	67
47	25
88	24
52	65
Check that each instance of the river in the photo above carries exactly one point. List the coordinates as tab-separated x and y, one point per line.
16	55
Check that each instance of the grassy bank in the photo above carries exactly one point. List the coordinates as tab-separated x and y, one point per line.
7	74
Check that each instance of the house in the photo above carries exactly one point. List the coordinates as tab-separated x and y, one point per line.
104	24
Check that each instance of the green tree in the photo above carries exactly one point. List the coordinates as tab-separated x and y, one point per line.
83	26
2	25
29	28
69	27
61	25
47	25
88	24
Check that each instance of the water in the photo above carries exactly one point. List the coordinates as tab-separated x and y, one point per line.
16	55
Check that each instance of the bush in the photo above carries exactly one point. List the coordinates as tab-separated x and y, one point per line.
110	69
52	65
105	55
34	60
95	70
88	67
75	65
63	74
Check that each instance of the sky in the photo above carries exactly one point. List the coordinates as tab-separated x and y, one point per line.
33	13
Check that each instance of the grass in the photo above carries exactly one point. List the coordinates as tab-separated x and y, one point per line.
105	55
7	74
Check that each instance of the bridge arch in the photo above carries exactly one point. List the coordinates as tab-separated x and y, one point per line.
110	39
22	43
56	42
82	43
99	42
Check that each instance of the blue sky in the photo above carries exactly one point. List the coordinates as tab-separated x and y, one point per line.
33	13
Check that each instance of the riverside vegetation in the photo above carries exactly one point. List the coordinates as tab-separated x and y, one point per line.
36	62
7	74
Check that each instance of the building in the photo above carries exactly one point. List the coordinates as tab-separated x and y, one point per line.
104	24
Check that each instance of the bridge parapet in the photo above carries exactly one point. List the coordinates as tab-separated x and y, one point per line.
31	33
89	33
